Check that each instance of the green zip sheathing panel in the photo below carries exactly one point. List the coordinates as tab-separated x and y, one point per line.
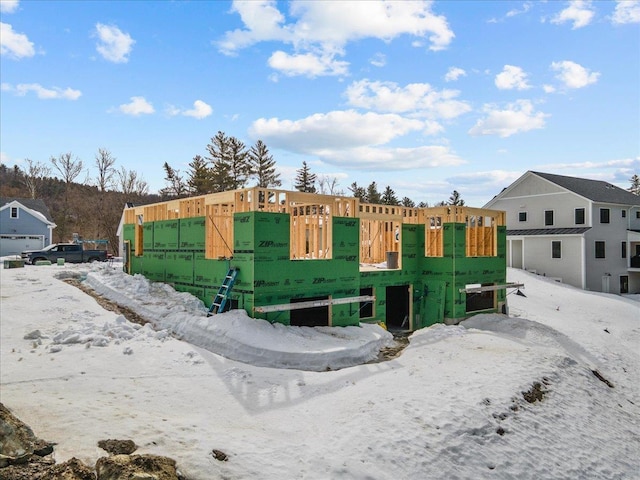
443	277
192	234
269	277
174	253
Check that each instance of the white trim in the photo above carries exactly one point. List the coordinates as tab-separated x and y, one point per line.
583	261
34	213
556	258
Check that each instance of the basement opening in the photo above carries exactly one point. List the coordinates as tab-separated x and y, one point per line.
397	308
310	317
485	300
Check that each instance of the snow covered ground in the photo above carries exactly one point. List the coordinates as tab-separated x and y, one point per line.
451	406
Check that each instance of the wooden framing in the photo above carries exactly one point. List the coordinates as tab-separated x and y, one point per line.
218	231
481	229
311	232
311	222
380	231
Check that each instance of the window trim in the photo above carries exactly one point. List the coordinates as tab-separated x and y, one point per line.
575	215
608	215
559	243
552	218
17	212
623	212
604	249
520	214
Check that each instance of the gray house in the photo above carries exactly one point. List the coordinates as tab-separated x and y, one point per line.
582	232
25	224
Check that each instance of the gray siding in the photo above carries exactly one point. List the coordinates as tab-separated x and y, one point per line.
25	224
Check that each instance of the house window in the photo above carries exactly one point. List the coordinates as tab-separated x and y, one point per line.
600	250
624	213
522	216
604	215
548	217
624	249
579	216
14	212
556	249
638	214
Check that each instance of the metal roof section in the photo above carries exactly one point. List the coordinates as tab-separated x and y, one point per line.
549	231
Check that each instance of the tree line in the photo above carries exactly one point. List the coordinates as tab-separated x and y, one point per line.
92	206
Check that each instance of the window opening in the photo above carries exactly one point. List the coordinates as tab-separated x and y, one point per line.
579	216
548	217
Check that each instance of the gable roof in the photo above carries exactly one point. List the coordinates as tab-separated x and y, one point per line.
594	190
35	204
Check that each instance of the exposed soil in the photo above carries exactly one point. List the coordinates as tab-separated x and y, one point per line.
108	304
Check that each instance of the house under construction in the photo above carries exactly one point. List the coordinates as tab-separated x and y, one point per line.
316	260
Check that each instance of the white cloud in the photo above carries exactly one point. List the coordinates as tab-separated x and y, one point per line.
324	28
114	45
518	117
511	78
41	92
526	6
137	106
627	163
8	6
13	44
454	73
379	60
579	12
548	88
429	156
574	75
200	110
336	130
627	11
419	98
308	64
354	140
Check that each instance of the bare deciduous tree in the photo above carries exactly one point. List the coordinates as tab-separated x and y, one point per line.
34	176
69	169
106	172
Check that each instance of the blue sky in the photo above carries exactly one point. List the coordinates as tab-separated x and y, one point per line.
425	97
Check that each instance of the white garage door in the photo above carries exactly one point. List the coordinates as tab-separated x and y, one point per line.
14	244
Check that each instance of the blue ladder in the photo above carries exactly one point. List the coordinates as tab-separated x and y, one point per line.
220	300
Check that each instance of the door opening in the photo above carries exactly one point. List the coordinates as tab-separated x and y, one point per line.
397	311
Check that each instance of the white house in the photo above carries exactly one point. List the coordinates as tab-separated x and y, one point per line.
582	232
25	224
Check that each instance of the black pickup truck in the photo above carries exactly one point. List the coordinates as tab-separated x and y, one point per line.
71	252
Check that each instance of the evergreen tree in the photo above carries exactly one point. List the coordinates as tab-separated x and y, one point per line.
176	187
635	185
239	166
358	192
263	166
305	180
389	197
199	181
219	154
455	199
423	205
407	202
373	196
